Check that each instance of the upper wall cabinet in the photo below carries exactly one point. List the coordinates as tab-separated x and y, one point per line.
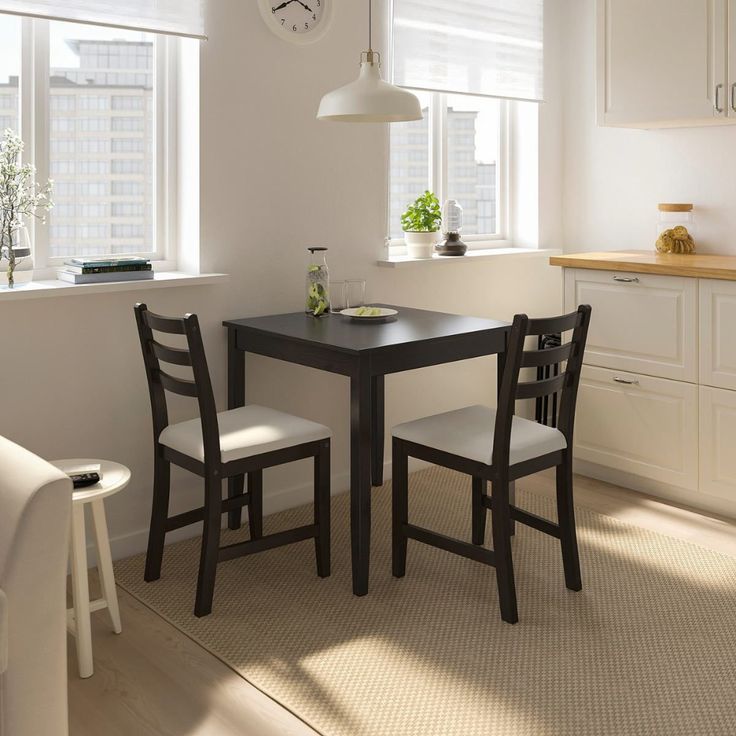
665	63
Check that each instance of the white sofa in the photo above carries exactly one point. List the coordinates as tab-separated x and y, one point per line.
35	508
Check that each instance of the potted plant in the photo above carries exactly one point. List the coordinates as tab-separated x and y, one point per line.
20	198
421	223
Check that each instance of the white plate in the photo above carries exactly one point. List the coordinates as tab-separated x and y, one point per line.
384	314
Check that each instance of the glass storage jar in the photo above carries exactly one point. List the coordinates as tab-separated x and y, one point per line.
676	228
318	282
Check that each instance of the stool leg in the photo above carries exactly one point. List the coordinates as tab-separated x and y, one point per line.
80	586
104	563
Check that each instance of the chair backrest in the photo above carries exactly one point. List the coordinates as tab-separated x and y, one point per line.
35	515
569	353
160	381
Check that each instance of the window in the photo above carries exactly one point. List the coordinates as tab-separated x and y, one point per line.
457	152
99	127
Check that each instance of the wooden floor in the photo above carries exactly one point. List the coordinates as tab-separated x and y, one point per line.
154	681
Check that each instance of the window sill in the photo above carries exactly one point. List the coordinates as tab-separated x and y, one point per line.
54	288
478	254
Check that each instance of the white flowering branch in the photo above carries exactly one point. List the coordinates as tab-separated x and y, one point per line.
20	197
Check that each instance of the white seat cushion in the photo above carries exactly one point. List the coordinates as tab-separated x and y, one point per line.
469	433
244	432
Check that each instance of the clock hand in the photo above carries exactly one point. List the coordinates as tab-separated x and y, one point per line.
306	7
283	5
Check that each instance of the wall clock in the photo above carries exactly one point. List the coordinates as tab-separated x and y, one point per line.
298	21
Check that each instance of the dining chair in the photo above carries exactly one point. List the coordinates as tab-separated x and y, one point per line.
215	446
499	447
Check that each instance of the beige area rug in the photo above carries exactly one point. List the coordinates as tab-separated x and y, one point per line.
648	647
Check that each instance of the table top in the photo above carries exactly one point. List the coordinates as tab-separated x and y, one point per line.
649	261
342	333
115	477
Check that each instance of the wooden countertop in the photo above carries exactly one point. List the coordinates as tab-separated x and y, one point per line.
644	261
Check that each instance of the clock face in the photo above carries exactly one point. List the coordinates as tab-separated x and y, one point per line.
300	21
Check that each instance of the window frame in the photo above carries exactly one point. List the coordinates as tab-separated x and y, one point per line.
35	130
439	174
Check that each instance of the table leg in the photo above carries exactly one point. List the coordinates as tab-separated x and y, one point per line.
104	563
360	476
500	367
80	588
378	429
235	399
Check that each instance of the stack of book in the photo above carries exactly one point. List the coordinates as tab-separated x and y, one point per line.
95	270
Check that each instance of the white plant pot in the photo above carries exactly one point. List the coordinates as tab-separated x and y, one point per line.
420	245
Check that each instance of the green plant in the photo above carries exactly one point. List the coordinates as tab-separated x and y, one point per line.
20	197
423	216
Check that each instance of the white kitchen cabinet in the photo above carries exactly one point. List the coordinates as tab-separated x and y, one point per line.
641	323
717	440
665	63
718	333
639	425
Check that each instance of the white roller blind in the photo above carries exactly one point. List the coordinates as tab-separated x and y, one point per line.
175	17
491	48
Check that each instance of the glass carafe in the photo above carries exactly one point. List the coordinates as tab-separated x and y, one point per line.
318	283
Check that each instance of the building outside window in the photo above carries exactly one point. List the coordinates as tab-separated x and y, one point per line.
103	133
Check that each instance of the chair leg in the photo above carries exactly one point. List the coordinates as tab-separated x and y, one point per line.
159	515
255	507
480	488
400	516
235	487
210	546
566	519
501	525
322	510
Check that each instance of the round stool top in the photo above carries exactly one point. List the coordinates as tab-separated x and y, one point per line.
114	478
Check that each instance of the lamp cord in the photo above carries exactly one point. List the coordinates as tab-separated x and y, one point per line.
370	25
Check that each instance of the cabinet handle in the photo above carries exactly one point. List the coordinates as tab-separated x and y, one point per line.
626	279
717	102
733	96
626	381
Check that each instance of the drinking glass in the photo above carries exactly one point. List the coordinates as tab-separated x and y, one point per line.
338	295
355	293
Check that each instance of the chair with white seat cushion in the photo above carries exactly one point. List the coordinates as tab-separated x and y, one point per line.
230	444
35	511
498	447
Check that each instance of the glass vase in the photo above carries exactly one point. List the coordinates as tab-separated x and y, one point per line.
318	283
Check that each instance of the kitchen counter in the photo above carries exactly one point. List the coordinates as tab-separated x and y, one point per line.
646	261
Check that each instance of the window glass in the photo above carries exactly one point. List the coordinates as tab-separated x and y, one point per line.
101	86
472	161
409	164
10	41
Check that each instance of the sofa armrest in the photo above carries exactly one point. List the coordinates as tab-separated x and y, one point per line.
3	632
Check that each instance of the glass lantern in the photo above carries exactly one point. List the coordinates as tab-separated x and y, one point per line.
452	225
318	283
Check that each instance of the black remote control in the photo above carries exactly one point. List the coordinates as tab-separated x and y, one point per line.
84	480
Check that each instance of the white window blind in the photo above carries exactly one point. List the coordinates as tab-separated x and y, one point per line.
174	17
490	48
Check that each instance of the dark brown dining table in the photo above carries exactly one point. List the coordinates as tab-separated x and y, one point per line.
366	353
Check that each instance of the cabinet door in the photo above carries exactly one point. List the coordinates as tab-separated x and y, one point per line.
731	54
717	334
717	442
638	424
661	63
640	322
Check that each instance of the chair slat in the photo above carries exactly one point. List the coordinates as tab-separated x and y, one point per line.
550	356
552	325
545	387
178	385
175	356
169	325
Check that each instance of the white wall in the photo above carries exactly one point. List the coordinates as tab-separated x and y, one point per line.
274	180
615	178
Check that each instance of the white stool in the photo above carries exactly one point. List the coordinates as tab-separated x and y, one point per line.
115	477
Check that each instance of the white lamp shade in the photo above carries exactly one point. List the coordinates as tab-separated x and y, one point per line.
370	100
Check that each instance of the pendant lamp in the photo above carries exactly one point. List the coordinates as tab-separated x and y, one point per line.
369	99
